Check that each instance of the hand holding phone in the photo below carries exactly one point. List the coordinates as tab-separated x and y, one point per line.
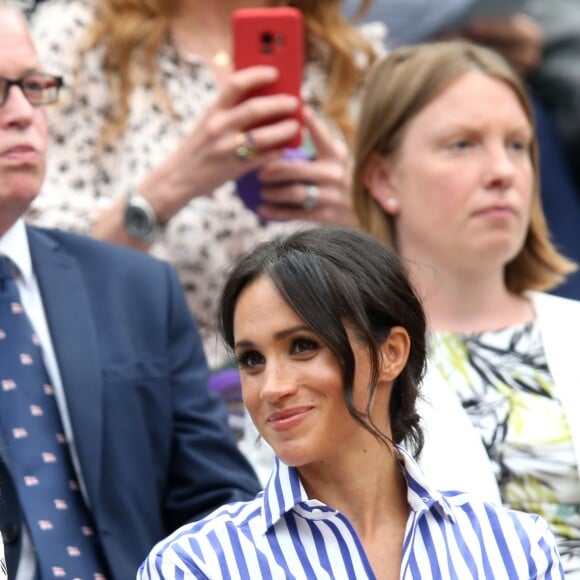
272	37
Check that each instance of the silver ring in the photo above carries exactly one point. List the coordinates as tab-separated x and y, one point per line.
246	147
312	197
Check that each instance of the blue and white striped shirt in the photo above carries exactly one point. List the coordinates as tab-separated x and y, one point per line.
282	534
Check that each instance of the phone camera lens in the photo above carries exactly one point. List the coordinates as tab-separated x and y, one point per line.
267	37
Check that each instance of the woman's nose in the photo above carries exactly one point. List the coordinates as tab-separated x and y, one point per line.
500	168
279	382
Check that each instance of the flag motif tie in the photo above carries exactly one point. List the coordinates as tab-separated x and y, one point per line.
39	460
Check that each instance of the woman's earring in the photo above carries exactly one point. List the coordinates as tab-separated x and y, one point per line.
391	204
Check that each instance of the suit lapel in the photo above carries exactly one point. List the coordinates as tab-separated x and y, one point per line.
69	316
559	320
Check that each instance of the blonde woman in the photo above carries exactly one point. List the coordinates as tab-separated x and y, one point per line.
151	117
447	173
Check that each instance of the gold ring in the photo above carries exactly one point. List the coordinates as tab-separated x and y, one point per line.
246	147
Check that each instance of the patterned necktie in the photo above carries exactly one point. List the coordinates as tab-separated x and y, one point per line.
38	456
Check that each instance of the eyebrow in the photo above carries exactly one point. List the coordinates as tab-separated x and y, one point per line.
471	124
28	70
280	335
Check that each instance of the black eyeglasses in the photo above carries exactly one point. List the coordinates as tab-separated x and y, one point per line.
39	88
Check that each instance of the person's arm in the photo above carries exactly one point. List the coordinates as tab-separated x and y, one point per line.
206	469
518	37
77	192
205	158
557	81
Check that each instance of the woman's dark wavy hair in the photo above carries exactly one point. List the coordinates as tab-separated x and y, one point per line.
333	278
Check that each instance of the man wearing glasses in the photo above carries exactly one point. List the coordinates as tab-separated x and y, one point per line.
109	437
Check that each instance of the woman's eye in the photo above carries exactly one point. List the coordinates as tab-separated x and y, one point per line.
249	359
460	144
518	145
304	345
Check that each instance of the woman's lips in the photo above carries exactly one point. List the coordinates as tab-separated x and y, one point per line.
288	418
496	212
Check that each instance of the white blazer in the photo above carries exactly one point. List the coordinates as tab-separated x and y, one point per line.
454	456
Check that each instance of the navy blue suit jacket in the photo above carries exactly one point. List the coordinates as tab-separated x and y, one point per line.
153	443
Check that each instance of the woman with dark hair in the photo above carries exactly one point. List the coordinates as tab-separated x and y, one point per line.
329	336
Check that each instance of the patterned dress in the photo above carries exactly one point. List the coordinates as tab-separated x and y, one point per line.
504	384
208	235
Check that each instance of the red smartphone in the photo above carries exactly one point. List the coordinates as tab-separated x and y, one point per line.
274	37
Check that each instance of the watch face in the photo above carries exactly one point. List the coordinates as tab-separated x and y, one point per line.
139	219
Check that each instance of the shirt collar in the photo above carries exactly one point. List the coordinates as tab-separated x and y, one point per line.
14	245
284	492
421	495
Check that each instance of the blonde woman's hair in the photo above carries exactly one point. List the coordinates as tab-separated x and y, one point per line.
402	85
131	32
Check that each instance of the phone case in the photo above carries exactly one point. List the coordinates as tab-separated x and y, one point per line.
248	186
274	37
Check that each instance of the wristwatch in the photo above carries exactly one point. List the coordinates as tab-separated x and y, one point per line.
140	219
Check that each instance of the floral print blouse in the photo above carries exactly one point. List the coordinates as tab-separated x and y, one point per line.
208	235
504	384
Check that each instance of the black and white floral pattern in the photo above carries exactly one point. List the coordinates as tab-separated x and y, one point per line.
504	384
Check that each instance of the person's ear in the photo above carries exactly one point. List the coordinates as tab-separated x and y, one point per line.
395	353
378	179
